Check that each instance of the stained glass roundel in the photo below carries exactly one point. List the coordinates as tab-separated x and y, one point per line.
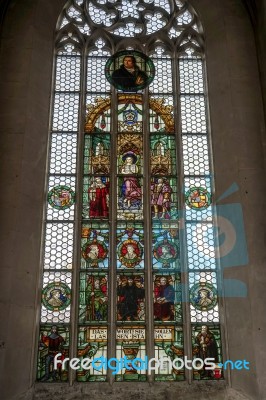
129	71
56	296
130	253
61	197
166	252
198	198
94	251
203	296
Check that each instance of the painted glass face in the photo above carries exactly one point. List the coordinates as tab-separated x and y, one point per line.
130	71
56	296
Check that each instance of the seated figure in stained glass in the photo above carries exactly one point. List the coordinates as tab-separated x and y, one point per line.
131	191
164	297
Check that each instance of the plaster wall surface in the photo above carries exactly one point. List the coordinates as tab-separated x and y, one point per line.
260	32
237	121
25	84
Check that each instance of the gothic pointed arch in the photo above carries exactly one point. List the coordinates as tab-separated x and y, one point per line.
129	254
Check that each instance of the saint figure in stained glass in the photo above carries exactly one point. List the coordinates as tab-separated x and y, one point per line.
130	293
129	166
206	347
53	344
160	150
131	192
98	199
160	198
96	299
166	252
130	254
164	297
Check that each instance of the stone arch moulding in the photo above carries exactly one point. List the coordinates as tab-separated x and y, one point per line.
156	105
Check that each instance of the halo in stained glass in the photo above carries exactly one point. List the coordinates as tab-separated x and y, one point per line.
130	154
56	296
129	71
203	296
198	198
61	197
94	251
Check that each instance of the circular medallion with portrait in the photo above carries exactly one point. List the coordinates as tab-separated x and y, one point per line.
129	70
61	197
56	296
203	296
166	252
130	253
94	252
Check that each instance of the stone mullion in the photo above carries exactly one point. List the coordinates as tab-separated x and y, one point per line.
148	231
78	213
113	229
182	225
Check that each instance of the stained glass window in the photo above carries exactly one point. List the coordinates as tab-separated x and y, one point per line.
129	252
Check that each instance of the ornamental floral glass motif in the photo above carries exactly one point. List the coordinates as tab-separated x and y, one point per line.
129	195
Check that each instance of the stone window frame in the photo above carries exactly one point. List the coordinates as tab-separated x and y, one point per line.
121	44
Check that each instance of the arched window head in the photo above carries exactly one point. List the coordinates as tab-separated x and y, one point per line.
99	151
159	149
129	254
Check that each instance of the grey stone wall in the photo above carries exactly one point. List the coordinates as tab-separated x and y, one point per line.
237	127
157	391
260	31
25	82
237	120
